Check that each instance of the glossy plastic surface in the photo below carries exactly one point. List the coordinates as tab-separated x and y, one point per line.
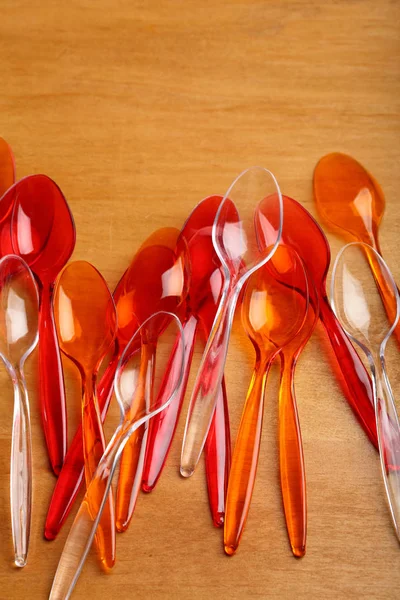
273	311
19	308
130	388
303	233
43	234
145	293
151	268
291	459
357	302
202	301
7	167
85	318
352	203
234	240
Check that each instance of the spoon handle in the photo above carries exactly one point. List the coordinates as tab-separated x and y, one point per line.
162	427
209	377
291	460
385	290
217	451
245	459
52	392
93	449
217	448
72	473
21	472
132	460
357	382
87	521
90	513
388	428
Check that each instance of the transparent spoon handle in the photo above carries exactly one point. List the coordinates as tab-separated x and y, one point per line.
292	471
21	472
84	527
208	380
245	459
162	427
132	460
388	428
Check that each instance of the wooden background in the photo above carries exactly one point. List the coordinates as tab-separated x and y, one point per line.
138	110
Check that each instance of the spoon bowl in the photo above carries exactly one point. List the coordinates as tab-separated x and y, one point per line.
85	316
348	198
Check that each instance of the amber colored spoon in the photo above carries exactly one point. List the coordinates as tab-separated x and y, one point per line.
352	203
273	311
85	317
7	167
291	460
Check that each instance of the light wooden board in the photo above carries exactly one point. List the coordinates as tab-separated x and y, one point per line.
138	110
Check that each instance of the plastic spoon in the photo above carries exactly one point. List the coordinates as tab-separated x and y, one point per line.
151	268
303	233
7	167
291	460
234	242
201	302
19	307
273	312
170	290
85	318
43	234
130	387
350	200
357	302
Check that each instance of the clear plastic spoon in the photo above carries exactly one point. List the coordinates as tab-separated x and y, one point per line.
131	384
19	310
235	242
357	302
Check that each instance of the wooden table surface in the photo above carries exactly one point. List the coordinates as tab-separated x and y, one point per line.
138	110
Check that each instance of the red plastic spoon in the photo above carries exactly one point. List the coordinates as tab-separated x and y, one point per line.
145	273
202	302
43	234
303	233
166	293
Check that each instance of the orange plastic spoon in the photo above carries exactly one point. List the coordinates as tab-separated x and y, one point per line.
291	460
350	200
86	323
273	311
7	167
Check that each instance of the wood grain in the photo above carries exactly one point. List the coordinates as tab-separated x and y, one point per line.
138	110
